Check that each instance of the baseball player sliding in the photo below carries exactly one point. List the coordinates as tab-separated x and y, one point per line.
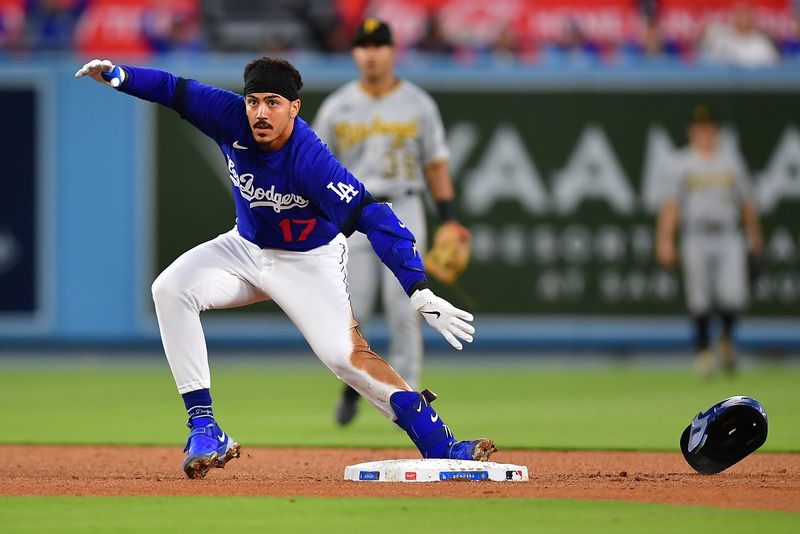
387	132
709	194
295	203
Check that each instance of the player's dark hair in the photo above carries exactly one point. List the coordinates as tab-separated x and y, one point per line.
275	64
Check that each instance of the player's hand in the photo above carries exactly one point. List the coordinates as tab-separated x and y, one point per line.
665	253
103	71
444	317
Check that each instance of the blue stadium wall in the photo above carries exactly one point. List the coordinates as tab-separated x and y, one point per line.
79	232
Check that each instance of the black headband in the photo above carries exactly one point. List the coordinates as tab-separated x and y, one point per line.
269	80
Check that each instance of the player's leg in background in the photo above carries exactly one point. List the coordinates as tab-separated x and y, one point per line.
405	329
311	287
363	275
731	293
727	347
701	323
697	287
220	273
405	324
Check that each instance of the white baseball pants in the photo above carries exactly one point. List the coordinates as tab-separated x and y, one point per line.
311	287
715	271
367	275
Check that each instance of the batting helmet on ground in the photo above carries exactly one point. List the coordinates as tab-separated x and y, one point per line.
724	434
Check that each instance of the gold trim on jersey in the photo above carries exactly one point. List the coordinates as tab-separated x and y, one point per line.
706	180
349	134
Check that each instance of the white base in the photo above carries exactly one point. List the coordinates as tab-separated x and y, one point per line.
434	471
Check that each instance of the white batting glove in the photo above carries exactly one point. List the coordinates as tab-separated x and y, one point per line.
444	317
102	71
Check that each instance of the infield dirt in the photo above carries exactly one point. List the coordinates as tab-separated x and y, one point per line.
761	481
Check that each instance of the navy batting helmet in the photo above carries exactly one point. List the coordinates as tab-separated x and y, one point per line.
724	434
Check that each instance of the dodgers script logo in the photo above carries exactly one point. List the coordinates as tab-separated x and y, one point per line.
261	197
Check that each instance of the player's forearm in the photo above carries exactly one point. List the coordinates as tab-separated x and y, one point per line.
439	181
212	110
150	84
752	226
394	244
402	258
667	222
440	185
409	277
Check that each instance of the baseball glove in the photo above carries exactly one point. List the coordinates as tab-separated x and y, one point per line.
449	256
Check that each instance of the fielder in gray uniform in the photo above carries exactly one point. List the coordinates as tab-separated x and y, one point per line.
709	196
388	133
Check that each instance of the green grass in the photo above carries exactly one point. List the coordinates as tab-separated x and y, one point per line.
387	516
262	404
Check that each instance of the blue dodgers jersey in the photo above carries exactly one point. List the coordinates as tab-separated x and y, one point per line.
296	198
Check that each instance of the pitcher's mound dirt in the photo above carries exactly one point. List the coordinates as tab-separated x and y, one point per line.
761	481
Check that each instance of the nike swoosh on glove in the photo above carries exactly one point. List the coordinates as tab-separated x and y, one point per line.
103	71
444	317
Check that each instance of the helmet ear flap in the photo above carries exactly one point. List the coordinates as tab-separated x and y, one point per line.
733	429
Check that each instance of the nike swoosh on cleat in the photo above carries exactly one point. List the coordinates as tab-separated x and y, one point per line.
437	314
237	145
221	438
434	418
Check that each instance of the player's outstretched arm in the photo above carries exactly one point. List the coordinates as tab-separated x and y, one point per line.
216	112
394	245
351	206
451	322
103	71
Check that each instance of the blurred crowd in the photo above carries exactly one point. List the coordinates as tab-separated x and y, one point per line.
756	33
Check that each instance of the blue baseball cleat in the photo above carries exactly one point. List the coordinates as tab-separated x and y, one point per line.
478	449
208	446
432	437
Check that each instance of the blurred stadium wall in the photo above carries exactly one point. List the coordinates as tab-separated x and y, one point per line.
559	167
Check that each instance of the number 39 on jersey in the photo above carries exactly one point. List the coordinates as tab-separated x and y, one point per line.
345	192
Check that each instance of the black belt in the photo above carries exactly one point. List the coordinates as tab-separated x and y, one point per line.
386	198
